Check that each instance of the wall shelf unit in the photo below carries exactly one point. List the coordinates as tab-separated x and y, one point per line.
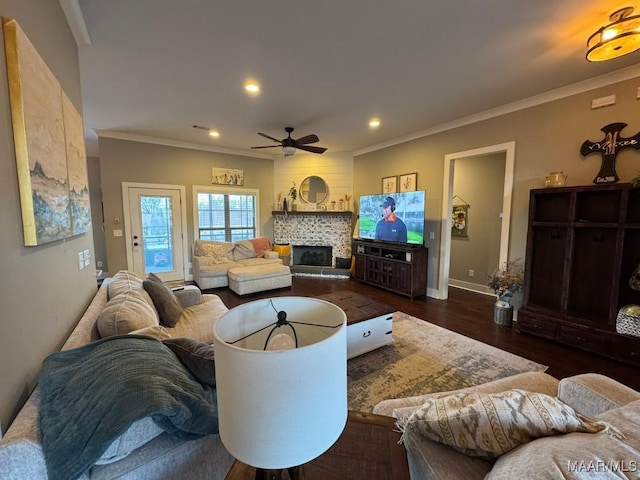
583	244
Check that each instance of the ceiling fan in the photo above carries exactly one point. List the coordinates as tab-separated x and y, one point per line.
289	144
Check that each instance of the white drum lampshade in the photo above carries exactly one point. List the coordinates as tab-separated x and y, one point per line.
281	408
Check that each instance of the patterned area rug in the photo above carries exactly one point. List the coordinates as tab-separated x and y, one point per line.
426	358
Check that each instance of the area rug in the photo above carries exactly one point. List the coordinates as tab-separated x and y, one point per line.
426	358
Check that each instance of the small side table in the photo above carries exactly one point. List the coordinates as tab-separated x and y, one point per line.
368	449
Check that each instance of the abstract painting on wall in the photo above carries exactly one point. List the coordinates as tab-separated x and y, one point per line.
49	145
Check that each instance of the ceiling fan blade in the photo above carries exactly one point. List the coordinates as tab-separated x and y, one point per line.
269	137
307	139
312	149
267	146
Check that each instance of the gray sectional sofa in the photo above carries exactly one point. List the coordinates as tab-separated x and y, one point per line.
571	455
212	260
144	450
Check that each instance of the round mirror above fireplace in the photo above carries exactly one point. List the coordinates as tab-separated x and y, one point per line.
314	189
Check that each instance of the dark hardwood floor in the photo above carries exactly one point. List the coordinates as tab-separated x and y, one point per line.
465	312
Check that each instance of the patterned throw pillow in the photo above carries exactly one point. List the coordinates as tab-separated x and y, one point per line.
490	424
217	252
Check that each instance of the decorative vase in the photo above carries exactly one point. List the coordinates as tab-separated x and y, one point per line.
294	206
503	311
285	207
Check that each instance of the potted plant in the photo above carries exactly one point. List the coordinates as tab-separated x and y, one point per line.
505	282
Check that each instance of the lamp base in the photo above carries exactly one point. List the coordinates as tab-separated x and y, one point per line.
295	473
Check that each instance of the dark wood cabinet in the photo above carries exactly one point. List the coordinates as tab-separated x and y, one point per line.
399	268
583	244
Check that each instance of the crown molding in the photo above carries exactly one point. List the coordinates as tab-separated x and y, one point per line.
557	94
75	19
179	144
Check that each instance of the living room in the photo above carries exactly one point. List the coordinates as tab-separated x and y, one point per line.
44	293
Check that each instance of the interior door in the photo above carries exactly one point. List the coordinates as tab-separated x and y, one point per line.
155	232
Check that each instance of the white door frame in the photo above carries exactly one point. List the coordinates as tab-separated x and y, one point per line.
183	213
509	149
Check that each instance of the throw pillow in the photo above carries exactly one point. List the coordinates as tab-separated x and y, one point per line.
217	252
260	245
196	356
125	313
165	301
490	424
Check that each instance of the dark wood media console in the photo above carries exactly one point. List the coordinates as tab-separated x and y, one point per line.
399	268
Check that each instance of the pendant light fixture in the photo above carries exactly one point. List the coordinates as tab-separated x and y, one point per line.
616	39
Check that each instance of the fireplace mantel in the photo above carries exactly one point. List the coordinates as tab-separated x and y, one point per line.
318	213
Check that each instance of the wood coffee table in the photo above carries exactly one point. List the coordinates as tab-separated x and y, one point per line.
368	449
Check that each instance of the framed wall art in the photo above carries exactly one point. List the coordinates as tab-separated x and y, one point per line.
49	146
390	184
227	176
408	182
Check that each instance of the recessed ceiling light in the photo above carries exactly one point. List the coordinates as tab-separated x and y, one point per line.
374	122
214	133
252	87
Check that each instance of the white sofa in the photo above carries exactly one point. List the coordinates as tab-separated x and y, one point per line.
571	455
212	260
143	451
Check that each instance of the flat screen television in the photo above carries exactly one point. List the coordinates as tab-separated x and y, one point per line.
404	221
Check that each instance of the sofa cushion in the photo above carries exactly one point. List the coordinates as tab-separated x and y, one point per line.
138	434
196	356
489	425
166	303
159	332
197	321
125	313
261	245
579	455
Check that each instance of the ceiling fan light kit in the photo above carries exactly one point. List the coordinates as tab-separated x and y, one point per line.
618	38
290	145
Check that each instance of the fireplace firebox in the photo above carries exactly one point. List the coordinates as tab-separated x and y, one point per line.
312	255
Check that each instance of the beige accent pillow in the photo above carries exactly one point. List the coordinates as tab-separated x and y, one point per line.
490	424
125	313
217	252
123	282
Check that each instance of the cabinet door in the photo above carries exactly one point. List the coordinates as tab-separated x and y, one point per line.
360	267
547	268
402	278
592	267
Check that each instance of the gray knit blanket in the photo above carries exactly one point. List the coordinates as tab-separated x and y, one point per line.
92	394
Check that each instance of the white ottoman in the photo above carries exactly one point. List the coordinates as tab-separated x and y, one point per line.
244	280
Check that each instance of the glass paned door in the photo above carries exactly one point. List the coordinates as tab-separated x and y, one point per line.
155	235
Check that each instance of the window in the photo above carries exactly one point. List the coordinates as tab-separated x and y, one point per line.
225	215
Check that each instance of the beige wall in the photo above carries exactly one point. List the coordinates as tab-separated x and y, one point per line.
478	181
548	138
128	161
42	292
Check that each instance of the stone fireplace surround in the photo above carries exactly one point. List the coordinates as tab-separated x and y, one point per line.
330	229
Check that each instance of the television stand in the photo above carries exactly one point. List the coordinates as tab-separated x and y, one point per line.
399	268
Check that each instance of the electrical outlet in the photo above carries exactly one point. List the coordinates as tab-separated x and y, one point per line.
432	235
472	273
99	263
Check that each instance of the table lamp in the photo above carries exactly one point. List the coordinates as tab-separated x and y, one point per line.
281	380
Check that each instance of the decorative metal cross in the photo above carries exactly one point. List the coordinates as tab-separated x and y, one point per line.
609	147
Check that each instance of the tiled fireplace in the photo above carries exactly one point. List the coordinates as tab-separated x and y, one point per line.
305	230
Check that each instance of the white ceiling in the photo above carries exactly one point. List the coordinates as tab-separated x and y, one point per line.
154	68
